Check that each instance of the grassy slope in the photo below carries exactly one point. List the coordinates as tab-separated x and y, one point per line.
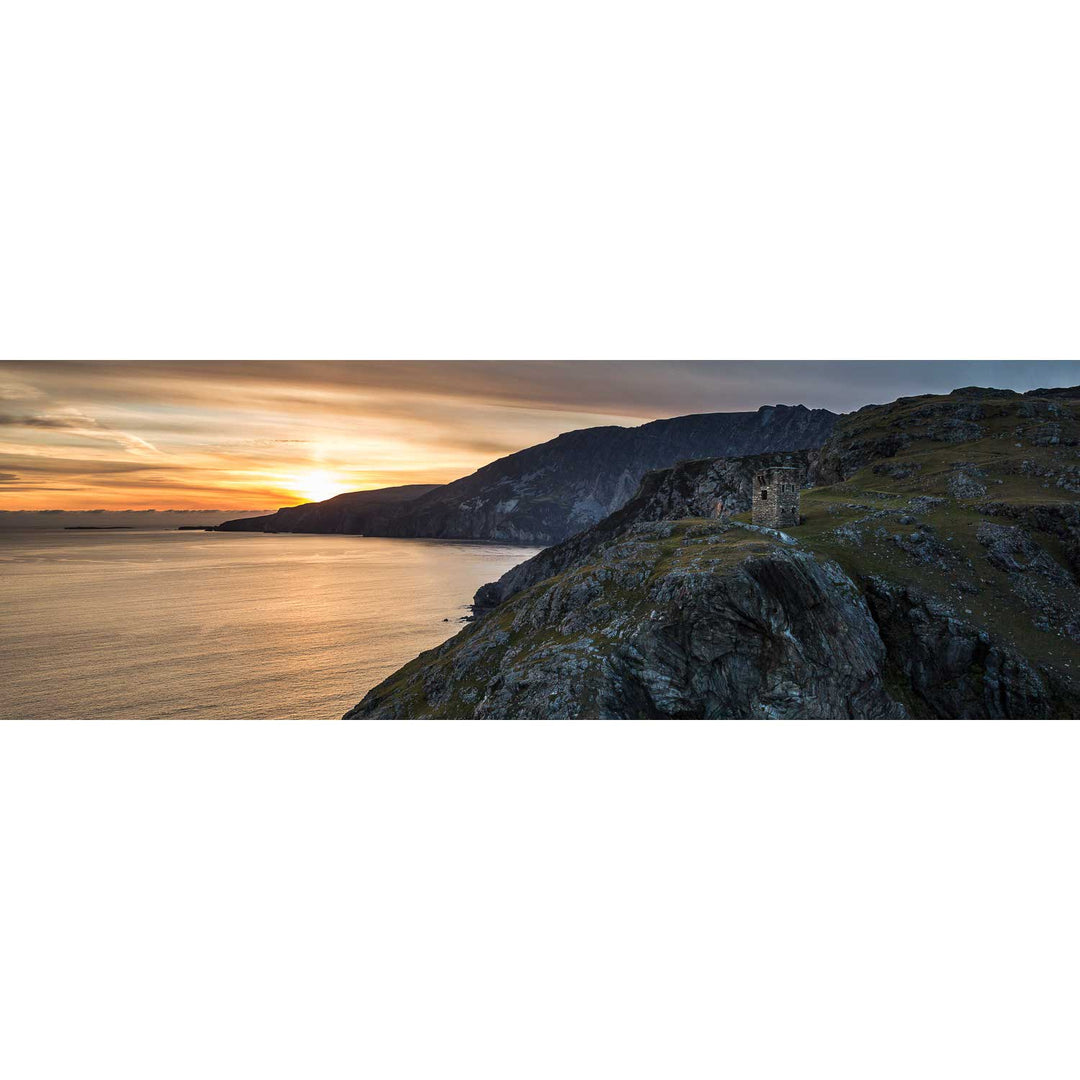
978	591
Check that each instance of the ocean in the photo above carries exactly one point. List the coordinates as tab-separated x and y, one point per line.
146	624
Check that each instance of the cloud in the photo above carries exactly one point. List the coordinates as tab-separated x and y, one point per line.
78	423
645	389
34	421
48	464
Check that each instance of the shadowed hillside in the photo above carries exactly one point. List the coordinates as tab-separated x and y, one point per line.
353	512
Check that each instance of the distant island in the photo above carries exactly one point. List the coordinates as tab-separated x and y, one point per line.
99	528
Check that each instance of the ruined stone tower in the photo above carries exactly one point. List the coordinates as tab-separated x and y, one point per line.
776	497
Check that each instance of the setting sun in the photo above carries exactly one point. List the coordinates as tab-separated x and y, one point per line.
317	486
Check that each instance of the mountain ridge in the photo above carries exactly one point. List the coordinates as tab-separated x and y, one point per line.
545	493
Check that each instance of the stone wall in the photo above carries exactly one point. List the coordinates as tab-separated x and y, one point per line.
776	498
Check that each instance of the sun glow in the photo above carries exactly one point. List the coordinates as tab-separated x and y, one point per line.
317	486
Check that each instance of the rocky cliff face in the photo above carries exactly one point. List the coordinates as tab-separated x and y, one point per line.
546	493
689	490
669	619
934	574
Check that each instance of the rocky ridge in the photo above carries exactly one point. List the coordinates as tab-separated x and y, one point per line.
906	592
689	490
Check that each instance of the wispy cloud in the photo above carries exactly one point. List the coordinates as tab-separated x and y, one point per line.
81	425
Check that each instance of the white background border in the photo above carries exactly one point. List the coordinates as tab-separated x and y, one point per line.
832	179
528	900
586	179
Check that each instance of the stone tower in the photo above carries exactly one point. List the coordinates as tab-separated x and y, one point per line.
776	498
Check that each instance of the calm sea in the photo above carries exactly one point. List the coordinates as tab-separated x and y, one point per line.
144	624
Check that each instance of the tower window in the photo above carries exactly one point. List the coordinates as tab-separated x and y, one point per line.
764	494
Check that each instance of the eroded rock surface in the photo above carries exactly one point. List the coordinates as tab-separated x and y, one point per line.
686	620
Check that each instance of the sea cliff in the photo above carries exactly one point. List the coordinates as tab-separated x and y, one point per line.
934	573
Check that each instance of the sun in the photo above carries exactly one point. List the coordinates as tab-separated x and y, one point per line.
316	486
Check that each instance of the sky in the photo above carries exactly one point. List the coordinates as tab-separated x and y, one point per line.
247	435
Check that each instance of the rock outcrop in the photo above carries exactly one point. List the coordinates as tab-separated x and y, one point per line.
943	665
689	490
667	620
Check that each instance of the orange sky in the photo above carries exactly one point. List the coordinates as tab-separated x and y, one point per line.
253	435
261	434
